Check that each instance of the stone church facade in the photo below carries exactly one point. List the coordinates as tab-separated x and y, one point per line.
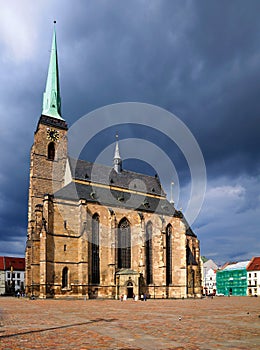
93	231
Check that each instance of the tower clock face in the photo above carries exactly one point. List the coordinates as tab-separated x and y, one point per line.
52	135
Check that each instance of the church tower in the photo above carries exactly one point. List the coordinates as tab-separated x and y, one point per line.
47	164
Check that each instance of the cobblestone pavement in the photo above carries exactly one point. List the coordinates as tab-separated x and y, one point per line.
219	323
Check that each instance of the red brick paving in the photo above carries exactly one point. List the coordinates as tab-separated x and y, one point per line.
219	323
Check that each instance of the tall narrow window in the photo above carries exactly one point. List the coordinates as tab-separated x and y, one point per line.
124	244
149	253
51	151
65	277
95	274
168	255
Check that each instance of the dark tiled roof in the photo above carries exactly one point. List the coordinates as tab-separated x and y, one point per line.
254	264
115	198
189	232
97	173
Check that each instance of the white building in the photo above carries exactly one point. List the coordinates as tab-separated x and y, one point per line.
12	271
253	277
209	277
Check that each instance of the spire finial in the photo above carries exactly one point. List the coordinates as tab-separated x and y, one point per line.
51	97
117	158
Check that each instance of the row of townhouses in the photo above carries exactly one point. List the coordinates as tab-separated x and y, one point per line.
234	278
12	272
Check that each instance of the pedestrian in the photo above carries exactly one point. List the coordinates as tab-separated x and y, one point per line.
145	297
142	297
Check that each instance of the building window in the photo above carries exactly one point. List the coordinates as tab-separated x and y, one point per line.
255	274
65	277
95	274
18	275
51	151
168	255
149	252
65	248
8	275
124	244
249	275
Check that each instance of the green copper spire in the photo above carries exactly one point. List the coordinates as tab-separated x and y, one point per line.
51	97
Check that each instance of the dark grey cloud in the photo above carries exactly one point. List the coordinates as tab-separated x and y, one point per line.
199	60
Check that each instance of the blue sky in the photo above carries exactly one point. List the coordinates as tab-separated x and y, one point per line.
198	60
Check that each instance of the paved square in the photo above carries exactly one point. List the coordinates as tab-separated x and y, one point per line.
219	323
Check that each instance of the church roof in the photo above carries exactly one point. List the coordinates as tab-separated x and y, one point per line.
128	180
189	231
116	198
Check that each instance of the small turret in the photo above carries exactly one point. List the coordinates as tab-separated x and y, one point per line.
117	158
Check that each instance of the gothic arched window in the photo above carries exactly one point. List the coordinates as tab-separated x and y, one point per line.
149	252
168	254
95	272
124	244
51	151
65	277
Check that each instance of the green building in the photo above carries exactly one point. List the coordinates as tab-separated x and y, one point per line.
232	280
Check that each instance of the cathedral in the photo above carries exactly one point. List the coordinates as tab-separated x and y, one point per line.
92	238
